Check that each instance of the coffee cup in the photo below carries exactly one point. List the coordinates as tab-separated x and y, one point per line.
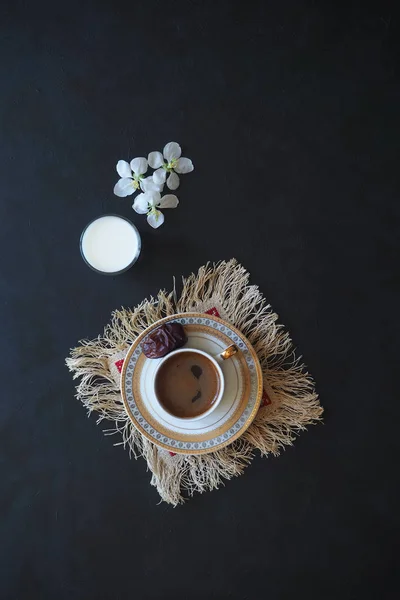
189	383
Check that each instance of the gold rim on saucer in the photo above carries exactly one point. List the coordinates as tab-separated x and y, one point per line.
240	403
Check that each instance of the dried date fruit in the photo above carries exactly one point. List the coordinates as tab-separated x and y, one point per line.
177	332
163	340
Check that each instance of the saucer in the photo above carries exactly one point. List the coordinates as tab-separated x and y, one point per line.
238	406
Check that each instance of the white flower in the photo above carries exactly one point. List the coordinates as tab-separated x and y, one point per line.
174	164
149	185
149	203
132	178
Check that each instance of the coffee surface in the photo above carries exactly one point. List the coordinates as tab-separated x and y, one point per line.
187	384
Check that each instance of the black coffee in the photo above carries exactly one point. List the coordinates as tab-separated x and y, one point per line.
187	384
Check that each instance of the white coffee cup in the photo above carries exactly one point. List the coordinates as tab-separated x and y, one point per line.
215	360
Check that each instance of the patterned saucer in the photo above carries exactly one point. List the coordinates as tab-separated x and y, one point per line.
238	407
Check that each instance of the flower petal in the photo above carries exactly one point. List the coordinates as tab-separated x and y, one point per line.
184	165
155	218
155	160
139	165
172	150
141	204
173	181
149	185
124	187
123	169
153	198
159	176
168	201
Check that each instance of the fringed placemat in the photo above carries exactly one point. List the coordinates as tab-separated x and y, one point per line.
289	401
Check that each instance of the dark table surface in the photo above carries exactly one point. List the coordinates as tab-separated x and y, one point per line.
290	112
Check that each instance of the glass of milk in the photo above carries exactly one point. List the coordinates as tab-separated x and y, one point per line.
110	244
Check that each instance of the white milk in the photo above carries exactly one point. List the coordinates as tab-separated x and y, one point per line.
110	244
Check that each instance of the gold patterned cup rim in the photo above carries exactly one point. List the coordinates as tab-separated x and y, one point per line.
243	395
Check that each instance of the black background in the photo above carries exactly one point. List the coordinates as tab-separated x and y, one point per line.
290	113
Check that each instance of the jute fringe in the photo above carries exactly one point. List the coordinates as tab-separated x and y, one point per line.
294	404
